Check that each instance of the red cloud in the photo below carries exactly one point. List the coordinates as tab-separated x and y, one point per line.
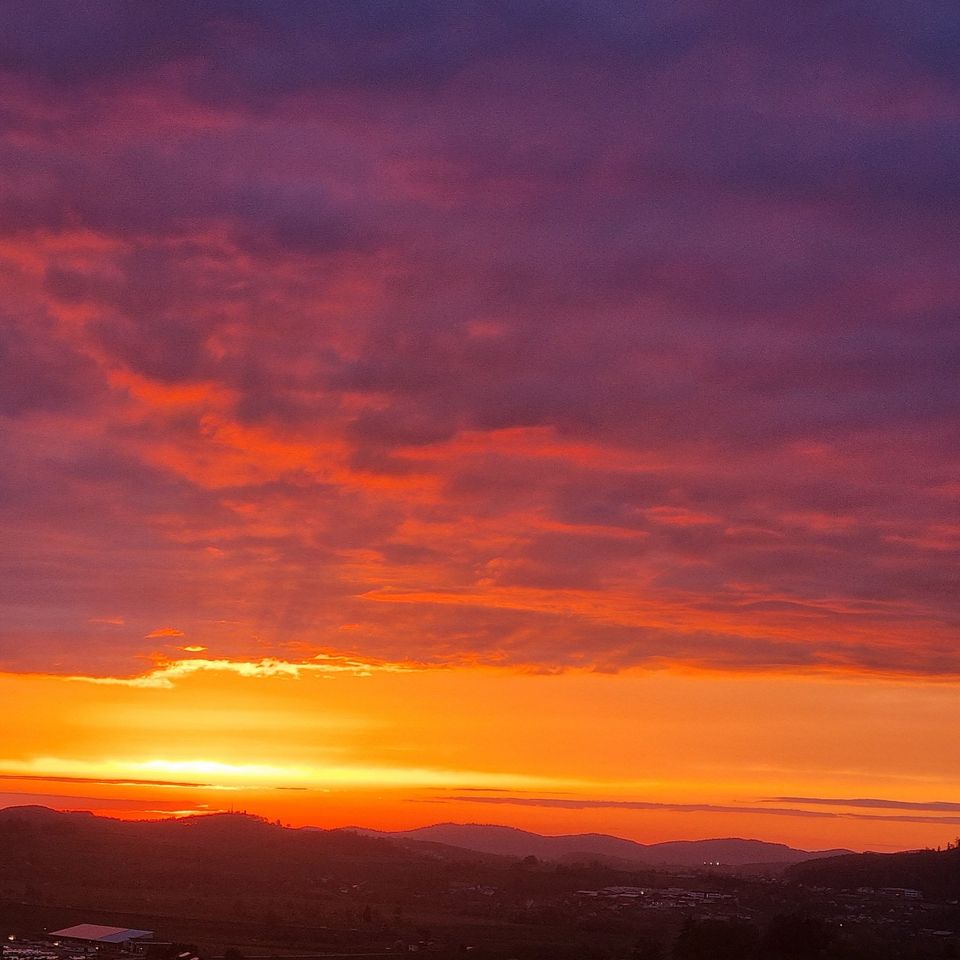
620	372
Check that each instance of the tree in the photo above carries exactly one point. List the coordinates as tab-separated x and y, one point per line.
795	936
714	940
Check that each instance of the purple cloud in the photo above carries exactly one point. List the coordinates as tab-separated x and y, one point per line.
545	334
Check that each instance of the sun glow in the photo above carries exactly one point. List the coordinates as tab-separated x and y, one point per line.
358	747
220	775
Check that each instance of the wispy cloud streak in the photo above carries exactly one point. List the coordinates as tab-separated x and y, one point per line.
746	809
111	781
167	674
931	805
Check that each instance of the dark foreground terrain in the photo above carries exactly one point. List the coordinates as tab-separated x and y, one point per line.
236	883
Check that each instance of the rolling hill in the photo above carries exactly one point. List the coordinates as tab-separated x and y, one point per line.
511	842
936	873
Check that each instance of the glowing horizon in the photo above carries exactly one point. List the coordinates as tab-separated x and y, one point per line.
542	413
354	752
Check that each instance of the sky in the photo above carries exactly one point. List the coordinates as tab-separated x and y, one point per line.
539	412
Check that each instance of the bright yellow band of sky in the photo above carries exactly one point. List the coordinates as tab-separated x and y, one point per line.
652	756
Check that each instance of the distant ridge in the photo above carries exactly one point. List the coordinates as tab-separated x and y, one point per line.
442	840
34	813
512	842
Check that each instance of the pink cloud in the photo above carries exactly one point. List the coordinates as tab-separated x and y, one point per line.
651	361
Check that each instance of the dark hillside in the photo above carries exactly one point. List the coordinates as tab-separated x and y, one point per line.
934	872
233	863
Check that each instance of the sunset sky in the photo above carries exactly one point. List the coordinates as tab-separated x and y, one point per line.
541	412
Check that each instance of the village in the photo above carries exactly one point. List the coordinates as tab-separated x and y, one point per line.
655	921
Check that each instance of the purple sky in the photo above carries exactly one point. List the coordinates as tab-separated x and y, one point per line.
543	334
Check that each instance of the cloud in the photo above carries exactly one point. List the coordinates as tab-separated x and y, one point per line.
569	803
75	803
166	675
931	805
586	804
541	335
39	370
112	781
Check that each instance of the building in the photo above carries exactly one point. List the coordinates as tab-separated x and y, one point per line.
96	935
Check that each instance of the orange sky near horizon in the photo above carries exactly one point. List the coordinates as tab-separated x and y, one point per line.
653	755
534	413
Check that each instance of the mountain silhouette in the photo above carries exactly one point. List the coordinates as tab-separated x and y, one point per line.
512	842
936	873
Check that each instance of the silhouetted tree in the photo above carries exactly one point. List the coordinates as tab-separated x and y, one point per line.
861	944
714	940
795	936
647	948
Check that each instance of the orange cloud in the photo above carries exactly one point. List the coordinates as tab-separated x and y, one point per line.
167	673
